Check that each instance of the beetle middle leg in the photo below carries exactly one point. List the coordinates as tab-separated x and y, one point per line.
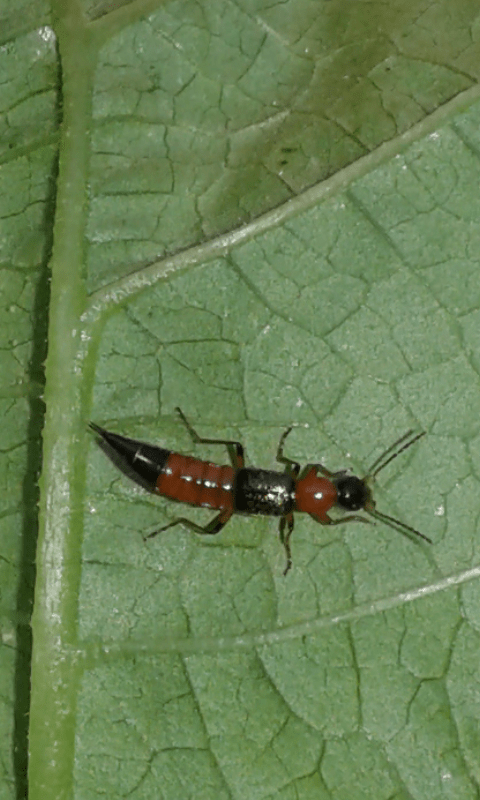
292	466
286	522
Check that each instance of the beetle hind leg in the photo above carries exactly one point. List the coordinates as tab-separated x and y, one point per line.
211	528
235	449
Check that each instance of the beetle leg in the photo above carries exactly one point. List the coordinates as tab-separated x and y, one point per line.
293	467
214	526
343	520
285	538
235	449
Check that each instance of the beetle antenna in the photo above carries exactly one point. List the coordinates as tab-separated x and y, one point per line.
381	462
392	452
396	524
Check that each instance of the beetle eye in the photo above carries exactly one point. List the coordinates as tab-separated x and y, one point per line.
352	493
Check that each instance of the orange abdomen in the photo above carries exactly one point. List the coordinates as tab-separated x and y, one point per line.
197	483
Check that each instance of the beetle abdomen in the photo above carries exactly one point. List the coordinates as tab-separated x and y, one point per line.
195	482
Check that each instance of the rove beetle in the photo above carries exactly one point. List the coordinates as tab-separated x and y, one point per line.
238	489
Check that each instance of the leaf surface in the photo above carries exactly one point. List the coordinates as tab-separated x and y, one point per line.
267	215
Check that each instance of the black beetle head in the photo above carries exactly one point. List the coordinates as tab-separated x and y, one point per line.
352	493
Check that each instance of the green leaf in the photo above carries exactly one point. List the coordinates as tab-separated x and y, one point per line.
268	215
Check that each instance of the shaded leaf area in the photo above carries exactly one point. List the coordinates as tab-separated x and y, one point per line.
205	116
28	122
17	17
349	321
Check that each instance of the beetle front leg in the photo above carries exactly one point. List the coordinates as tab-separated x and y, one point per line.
343	520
